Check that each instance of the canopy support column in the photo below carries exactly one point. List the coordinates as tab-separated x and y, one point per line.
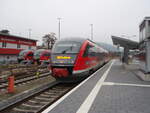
125	55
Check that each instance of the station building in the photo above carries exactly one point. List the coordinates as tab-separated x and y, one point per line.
144	44
11	45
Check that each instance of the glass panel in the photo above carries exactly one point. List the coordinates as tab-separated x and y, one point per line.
66	47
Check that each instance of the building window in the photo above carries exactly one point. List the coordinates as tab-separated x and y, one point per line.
18	46
4	44
29	47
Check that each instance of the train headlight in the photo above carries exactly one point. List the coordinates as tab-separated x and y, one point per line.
72	61
55	62
63	61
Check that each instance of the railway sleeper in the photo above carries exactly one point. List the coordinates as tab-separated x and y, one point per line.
52	93
27	107
45	95
31	105
18	110
3	86
59	90
49	97
43	99
35	102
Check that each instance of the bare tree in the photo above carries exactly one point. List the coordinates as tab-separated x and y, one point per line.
49	40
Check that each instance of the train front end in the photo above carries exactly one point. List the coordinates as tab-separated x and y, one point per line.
63	58
25	55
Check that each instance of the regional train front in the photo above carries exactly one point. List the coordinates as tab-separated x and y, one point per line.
63	57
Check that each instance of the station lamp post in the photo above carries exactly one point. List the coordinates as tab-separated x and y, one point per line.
91	31
59	19
30	32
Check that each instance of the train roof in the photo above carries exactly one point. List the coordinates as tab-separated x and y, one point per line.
43	50
81	40
76	39
25	50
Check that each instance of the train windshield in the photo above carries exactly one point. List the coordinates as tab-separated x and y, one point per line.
38	53
22	53
66	47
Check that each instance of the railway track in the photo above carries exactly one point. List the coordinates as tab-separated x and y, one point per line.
41	100
13	66
26	79
20	70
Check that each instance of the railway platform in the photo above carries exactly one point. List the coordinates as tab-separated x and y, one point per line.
111	89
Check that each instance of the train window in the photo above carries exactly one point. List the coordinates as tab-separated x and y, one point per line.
67	47
30	54
18	46
4	44
47	54
22	53
88	51
92	51
38	53
29	47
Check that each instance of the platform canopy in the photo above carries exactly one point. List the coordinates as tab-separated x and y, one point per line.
125	42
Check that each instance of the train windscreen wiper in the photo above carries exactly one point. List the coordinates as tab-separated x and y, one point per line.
64	51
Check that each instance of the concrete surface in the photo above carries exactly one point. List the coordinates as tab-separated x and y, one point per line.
119	90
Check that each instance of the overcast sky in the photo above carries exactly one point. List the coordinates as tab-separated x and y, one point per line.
109	17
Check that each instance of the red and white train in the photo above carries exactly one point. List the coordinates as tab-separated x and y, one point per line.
25	55
41	55
74	59
38	56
